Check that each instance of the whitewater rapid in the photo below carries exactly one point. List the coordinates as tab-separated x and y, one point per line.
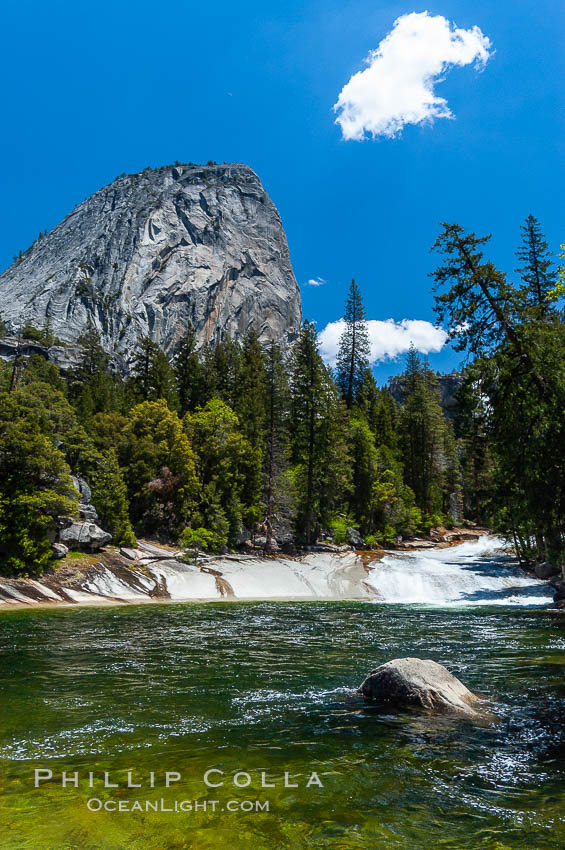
473	573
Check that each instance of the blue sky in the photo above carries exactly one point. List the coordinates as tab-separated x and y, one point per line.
91	91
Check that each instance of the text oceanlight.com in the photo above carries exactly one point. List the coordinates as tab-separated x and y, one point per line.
96	805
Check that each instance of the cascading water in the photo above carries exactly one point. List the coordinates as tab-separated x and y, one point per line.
474	573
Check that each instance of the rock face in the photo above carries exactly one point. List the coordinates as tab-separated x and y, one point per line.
447	386
86	510
155	250
418	683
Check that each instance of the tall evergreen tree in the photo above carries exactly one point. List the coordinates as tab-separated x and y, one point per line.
318	445
152	374
354	346
189	374
250	404
92	388
537	269
93	358
276	496
142	368
306	385
109	493
425	437
225	362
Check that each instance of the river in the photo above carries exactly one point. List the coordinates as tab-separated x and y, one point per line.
254	687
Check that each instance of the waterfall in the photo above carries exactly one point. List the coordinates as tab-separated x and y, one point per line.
474	573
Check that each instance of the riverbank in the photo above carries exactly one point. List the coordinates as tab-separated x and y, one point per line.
158	575
419	570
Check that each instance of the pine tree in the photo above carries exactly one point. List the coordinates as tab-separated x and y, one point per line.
189	374
537	269
152	375
319	451
109	495
92	389
142	368
93	358
354	346
250	404
47	332
226	365
276	496
306	383
472	428
424	437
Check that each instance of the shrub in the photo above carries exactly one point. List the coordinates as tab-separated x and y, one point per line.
338	527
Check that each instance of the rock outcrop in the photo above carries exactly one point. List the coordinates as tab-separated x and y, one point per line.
84	535
418	683
153	251
354	538
447	385
86	509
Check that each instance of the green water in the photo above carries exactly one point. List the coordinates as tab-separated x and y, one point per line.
267	686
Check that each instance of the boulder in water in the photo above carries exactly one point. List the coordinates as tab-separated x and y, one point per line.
418	683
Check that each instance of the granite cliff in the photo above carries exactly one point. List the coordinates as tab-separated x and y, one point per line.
153	251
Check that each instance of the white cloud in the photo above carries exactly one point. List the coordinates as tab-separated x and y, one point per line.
315	281
388	338
397	87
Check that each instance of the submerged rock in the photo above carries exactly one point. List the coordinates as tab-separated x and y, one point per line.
418	683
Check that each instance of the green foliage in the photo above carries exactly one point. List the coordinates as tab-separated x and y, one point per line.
35	487
338	527
267	439
250	403
354	346
386	536
426	439
159	468
197	538
515	393
229	468
321	473
189	374
33	334
109	494
153	377
537	270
